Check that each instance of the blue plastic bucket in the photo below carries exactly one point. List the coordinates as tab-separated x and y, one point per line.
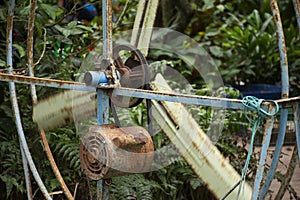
262	91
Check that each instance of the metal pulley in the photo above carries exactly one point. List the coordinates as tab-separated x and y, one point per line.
134	72
108	151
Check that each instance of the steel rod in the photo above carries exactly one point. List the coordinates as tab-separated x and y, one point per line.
35	101
288	176
182	98
284	94
30	47
276	155
102	98
297	11
296	109
14	102
282	49
263	155
103	118
9	61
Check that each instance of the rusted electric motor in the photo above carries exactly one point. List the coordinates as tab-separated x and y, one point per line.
107	151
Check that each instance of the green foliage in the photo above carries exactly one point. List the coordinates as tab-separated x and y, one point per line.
244	45
65	143
131	187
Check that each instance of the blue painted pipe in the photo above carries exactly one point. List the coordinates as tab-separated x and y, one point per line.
284	94
103	99
297	11
14	102
275	159
297	125
263	156
94	78
10	63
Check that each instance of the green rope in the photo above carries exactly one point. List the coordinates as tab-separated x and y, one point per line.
253	104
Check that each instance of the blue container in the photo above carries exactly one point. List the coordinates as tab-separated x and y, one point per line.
261	91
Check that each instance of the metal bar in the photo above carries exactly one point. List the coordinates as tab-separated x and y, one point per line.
164	96
275	159
24	143
282	49
297	125
30	48
103	118
35	100
102	98
287	102
181	98
297	11
46	82
107	27
284	94
263	155
11	86
26	173
103	107
288	176
107	37
14	102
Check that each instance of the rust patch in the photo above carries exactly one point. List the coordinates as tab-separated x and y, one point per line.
117	151
30	36
195	146
35	80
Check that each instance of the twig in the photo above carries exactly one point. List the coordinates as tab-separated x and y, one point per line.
122	14
85	49
75	190
44	47
72	11
57	192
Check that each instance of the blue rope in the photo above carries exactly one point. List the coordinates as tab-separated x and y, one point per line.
253	104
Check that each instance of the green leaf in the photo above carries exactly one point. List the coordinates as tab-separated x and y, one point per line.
50	10
9	183
72	25
76	31
64	31
266	23
208	4
20	49
216	51
90	29
3	13
2	63
195	183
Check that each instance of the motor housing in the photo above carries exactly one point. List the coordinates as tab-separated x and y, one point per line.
107	151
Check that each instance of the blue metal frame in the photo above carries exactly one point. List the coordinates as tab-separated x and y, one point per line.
297	125
12	88
284	94
103	102
297	11
26	156
103	118
102	98
263	156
